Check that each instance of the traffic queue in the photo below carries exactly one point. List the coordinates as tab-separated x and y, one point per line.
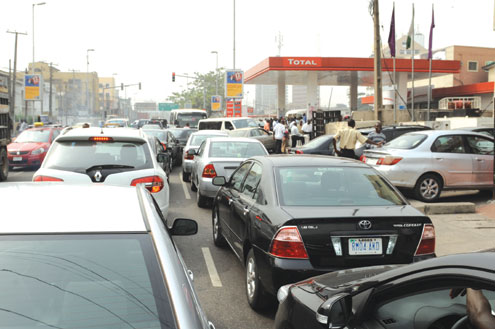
329	238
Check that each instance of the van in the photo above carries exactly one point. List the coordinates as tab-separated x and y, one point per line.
181	117
226	123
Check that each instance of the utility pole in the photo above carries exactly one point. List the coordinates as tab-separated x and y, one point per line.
50	99
12	100
378	64
234	37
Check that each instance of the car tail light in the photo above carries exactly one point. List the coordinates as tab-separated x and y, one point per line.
388	161
362	158
299	152
288	243
209	171
101	139
427	243
154	184
188	157
47	179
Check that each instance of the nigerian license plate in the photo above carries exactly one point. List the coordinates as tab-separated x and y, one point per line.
17	158
365	246
371	161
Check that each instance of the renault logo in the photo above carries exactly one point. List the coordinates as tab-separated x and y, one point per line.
98	177
18	153
365	224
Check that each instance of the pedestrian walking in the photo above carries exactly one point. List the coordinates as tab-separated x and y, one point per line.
278	135
376	136
348	138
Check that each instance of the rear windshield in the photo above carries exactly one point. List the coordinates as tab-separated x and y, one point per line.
192	118
34	136
182	133
81	155
334	186
236	150
407	141
196	140
244	123
82	281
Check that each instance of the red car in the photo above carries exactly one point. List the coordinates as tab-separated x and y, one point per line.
30	147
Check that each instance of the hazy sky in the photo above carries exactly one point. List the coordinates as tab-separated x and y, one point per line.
145	41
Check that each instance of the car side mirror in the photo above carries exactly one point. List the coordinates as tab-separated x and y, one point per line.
184	226
219	181
336	312
162	157
192	152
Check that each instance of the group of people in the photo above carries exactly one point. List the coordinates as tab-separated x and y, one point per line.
291	130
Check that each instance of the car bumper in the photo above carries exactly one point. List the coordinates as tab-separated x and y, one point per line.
27	160
400	176
187	166
206	187
276	272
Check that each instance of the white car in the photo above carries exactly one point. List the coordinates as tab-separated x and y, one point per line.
109	156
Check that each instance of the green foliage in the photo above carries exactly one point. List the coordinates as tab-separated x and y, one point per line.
195	92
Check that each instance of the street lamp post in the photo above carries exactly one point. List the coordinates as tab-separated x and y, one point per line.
32	68
216	73
88	103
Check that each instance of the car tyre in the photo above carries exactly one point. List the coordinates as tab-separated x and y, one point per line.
428	188
186	177
4	165
256	294
201	200
218	238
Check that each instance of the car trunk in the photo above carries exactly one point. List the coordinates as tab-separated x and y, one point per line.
226	167
372	156
324	235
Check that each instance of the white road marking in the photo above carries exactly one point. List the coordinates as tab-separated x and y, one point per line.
184	186
212	270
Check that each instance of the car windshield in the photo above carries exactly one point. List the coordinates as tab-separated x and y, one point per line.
317	142
82	281
334	186
190	117
244	123
196	140
182	133
407	141
34	136
236	149
160	134
81	155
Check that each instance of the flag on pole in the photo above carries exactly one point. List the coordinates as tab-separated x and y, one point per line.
410	35
431	34
391	35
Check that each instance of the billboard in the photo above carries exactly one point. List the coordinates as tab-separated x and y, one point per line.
32	83
234	108
167	106
216	103
234	83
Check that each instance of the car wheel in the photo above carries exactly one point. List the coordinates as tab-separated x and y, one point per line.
194	188
201	200
218	238
255	292
186	177
428	188
4	165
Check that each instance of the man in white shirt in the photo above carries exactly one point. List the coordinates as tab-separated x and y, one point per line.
278	135
294	134
308	129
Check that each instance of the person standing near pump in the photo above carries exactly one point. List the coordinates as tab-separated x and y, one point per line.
278	136
348	138
294	134
308	129
377	136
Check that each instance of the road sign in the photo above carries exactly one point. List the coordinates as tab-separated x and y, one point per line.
234	83
167	106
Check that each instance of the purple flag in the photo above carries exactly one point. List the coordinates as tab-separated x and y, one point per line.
431	34
391	35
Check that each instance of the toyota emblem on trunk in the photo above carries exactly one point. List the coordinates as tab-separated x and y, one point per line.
98	177
365	224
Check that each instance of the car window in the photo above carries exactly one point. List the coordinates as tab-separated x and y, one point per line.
448	144
254	133
480	145
263	132
34	136
81	155
82	281
210	125
245	123
228	125
238	176
334	186
252	180
201	148
56	132
227	149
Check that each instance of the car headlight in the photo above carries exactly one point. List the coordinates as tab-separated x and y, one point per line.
283	292
38	151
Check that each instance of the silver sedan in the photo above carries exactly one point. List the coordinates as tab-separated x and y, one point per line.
219	156
428	162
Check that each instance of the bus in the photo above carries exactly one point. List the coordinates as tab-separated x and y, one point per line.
179	118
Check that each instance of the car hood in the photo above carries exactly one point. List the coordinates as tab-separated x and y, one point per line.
23	147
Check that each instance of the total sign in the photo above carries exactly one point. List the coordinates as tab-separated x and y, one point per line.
302	61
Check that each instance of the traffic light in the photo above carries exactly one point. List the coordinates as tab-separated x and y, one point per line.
173	76
140	86
122	86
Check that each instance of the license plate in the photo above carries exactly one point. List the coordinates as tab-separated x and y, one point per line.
17	159
371	161
365	246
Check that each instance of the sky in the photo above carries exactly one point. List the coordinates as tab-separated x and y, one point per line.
145	41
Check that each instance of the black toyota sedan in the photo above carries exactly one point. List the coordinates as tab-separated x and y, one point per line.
437	293
289	217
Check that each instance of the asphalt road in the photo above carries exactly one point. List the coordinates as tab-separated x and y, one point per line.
21	175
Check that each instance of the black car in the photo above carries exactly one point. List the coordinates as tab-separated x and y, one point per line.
158	148
429	294
290	217
169	142
182	134
321	145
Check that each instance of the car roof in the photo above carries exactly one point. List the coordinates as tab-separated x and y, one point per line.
303	160
210	132
78	133
69	208
248	128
